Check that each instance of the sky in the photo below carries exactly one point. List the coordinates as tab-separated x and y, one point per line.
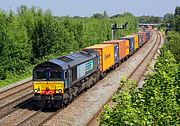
89	7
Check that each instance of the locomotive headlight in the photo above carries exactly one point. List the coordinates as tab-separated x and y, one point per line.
35	90
60	91
59	88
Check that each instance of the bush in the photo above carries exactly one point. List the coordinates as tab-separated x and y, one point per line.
174	44
157	103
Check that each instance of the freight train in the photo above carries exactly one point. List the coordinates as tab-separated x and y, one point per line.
56	82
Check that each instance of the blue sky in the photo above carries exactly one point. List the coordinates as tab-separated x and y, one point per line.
89	7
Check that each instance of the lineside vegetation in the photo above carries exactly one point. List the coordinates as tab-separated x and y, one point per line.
32	35
157	103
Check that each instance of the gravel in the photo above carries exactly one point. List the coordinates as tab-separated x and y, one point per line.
17	116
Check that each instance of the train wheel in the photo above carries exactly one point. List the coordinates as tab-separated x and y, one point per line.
66	99
65	102
75	91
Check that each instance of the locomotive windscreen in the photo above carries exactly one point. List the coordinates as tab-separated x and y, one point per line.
40	75
55	75
47	74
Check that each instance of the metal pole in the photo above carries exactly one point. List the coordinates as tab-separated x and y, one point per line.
112	34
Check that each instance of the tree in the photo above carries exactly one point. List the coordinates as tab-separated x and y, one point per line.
177	19
177	23
105	14
98	15
177	11
149	19
168	17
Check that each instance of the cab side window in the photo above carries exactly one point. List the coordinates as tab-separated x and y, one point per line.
66	75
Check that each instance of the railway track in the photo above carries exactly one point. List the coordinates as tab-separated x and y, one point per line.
15	105
38	117
19	115
43	115
14	90
26	113
136	75
15	94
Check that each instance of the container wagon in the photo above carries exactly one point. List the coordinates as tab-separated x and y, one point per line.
144	39
131	43
140	40
123	48
136	41
147	35
106	53
135	37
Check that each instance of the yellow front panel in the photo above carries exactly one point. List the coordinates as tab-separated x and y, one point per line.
127	47
136	41
50	85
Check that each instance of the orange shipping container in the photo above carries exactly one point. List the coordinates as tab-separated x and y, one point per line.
123	47
106	52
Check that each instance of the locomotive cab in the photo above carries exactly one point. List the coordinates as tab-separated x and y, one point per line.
49	81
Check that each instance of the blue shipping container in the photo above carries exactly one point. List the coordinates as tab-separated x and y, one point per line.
116	53
147	35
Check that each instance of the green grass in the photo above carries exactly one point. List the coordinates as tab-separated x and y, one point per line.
13	78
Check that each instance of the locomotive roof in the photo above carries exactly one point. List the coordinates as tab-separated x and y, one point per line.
72	59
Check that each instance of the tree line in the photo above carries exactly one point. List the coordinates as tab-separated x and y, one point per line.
150	19
173	33
169	20
172	21
32	35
